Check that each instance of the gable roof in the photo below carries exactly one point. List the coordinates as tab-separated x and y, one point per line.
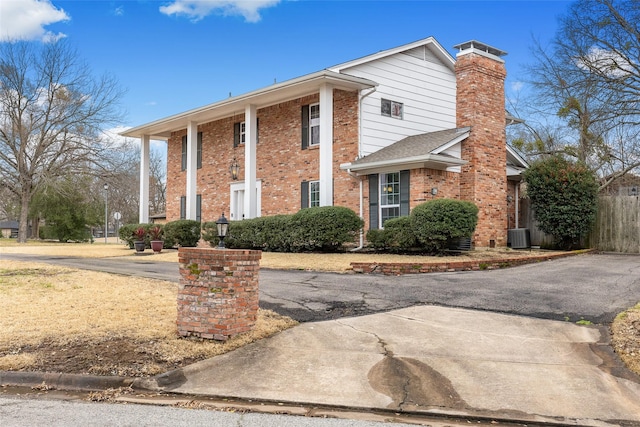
418	151
428	43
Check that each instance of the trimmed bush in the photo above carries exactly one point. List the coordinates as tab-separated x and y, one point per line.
438	221
400	236
126	233
324	228
564	198
183	232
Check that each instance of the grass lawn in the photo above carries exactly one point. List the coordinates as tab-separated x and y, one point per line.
60	319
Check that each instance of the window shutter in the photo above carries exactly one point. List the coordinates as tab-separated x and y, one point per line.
304	194
404	192
374	221
236	134
305	127
198	207
199	150
257	130
184	152
183	207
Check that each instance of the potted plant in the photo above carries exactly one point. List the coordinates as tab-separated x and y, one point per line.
138	239
155	234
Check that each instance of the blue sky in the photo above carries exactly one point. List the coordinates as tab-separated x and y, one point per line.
175	55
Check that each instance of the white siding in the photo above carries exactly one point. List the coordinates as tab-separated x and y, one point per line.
416	78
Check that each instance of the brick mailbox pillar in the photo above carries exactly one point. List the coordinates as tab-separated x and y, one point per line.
218	295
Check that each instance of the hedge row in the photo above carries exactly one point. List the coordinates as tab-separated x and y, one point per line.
324	229
431	227
183	232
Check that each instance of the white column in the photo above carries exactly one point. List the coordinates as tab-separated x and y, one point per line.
250	141
326	145
144	179
192	169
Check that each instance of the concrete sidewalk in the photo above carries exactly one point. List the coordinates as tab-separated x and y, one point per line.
430	360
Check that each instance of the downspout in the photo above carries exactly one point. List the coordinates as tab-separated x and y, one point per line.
361	97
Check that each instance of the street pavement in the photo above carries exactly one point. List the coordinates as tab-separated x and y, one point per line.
497	344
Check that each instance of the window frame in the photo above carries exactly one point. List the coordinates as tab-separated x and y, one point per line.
314	194
387	189
314	123
393	109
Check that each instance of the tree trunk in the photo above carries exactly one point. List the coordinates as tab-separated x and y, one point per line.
23	225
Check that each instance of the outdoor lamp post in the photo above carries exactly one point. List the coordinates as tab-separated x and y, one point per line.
106	212
223	225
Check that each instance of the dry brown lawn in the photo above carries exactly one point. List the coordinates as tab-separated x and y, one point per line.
66	320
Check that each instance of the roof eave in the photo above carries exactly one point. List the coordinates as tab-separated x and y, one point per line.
270	95
430	161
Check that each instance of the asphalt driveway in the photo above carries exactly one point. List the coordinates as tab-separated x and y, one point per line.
593	287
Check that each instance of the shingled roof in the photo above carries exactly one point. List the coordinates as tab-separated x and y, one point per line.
423	150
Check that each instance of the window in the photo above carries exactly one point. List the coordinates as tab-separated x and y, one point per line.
391	109
389	196
240	132
310	194
183	207
314	124
310	125
184	152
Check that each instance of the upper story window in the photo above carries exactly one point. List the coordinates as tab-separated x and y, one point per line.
390	108
240	133
184	152
314	124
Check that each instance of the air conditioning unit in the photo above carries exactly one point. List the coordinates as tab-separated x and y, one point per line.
519	238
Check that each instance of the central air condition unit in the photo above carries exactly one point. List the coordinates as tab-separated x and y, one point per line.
519	238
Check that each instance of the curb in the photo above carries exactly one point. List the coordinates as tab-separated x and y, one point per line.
399	268
62	381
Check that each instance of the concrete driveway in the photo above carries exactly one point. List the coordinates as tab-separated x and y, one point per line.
594	287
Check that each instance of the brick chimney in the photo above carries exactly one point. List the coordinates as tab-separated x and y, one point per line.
480	75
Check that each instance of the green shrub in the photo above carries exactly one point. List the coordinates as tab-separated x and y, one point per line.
378	239
324	228
183	232
438	221
273	233
126	233
564	198
400	236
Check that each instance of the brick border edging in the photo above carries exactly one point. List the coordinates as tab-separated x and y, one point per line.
400	268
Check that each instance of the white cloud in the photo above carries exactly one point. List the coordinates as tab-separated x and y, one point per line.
27	19
198	9
119	11
607	62
517	86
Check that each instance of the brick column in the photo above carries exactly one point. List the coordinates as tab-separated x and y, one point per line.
218	295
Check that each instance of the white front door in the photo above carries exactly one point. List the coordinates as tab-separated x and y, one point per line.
236	202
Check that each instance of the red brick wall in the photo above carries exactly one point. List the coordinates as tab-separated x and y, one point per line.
281	163
483	181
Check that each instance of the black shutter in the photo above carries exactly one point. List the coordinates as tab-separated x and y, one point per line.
198	207
305	127
304	194
184	152
183	207
404	192
374	221
199	150
257	131
236	134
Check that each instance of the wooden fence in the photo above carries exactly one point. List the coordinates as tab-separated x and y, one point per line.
617	227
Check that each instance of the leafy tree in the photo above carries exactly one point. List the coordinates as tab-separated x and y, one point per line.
66	209
563	195
589	79
52	112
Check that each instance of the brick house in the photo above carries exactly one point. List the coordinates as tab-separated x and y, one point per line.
380	135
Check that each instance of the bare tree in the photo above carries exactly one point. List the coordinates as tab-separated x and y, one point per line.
589	82
52	111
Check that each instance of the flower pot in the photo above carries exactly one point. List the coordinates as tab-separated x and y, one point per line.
156	246
139	245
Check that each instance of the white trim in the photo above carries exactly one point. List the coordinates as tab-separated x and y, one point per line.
451	143
404	163
234	188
